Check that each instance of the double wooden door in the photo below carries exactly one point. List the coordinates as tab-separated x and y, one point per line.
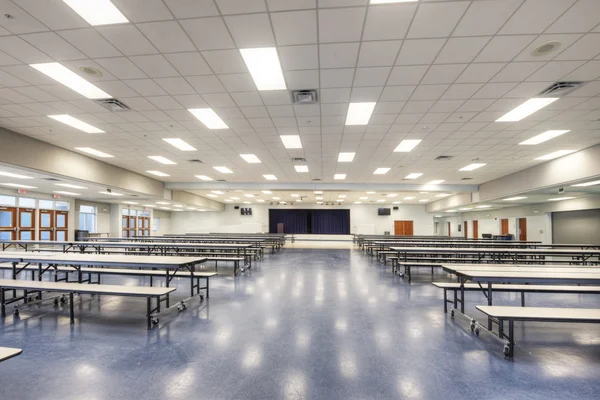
403	228
53	225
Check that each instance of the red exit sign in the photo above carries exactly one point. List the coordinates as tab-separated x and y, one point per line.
21	191
56	196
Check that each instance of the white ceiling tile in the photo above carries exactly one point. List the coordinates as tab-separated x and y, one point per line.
340	95
284	5
414	107
134	44
565	42
459	50
5	59
175	85
189	63
225	61
554	70
486	17
192	8
373	76
298	57
334	109
380	53
121	67
237	82
255	112
9	80
21	50
155	66
417	52
53	45
90	42
308	110
341	24
436	20
208	33
587	72
247	99
339	55
241	6
164	102
527	89
301	80
55	14
117	89
167	36
295	27
36	94
219	100
493	90
22	21
461	91
206	84
365	94
443	73
397	93
143	10
585	48
582	17
390	107
389	21
429	92
503	48
281	111
276	97
191	101
534	16
145	87
482	72
517	72
408	75
252	30
337	78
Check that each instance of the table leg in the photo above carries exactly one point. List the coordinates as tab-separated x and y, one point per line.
71	308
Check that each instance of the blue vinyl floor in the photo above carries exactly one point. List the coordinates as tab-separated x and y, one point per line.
303	324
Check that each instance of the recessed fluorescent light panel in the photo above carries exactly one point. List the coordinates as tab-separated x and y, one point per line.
483	206
472	167
414	175
561	198
371	192
556	154
97	12
248	195
129	202
71	80
217	192
392	1
17	185
406	145
346	157
358	202
593	183
543	137
381	201
203	177
209	118
264	66
301	168
436	182
409	198
180	144
526	109
442	195
363	198
359	113
68	185
75	123
270	177
291	141
515	198
267	192
111	193
212	195
423	200
223	170
93	152
392	195
250	158
318	192
397	202
157	173
381	171
11	175
339	177
162	160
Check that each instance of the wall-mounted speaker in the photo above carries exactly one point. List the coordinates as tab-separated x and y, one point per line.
236	207
395	208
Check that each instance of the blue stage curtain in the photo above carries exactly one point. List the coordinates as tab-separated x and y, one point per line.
331	222
294	221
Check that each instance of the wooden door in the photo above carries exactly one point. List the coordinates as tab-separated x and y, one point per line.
61	225
26	223
132	226
475	229
46	223
403	228
522	228
8	223
504	227
124	226
466	230
449	229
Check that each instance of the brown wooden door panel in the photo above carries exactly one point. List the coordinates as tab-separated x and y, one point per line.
504	227
466	226
522	228
476	229
8	223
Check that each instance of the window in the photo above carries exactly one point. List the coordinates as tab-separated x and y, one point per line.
25	202
46	205
62	205
87	218
8	200
156	225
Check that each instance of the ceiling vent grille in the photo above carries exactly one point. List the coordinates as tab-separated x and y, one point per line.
561	88
466	179
304	96
195	161
299	159
443	158
51	179
113	105
221	180
316	179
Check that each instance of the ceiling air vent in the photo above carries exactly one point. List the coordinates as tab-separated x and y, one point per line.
113	105
316	179
561	88
51	179
443	158
304	96
195	161
221	180
466	179
299	159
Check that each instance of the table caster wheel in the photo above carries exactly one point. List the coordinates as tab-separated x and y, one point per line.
56	302
155	321
506	350
63	299
452	314
201	297
16	312
472	326
477	331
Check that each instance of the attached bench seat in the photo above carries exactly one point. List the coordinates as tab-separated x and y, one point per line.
499	314
158	293
512	288
8	352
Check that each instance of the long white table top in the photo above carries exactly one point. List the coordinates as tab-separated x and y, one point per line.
479	275
469	250
8	352
128	244
521	267
537	313
166	262
507	244
99	289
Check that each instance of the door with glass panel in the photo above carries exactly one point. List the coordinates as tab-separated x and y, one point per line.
125	226
145	227
61	225
132	224
8	223
46	222
26	229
